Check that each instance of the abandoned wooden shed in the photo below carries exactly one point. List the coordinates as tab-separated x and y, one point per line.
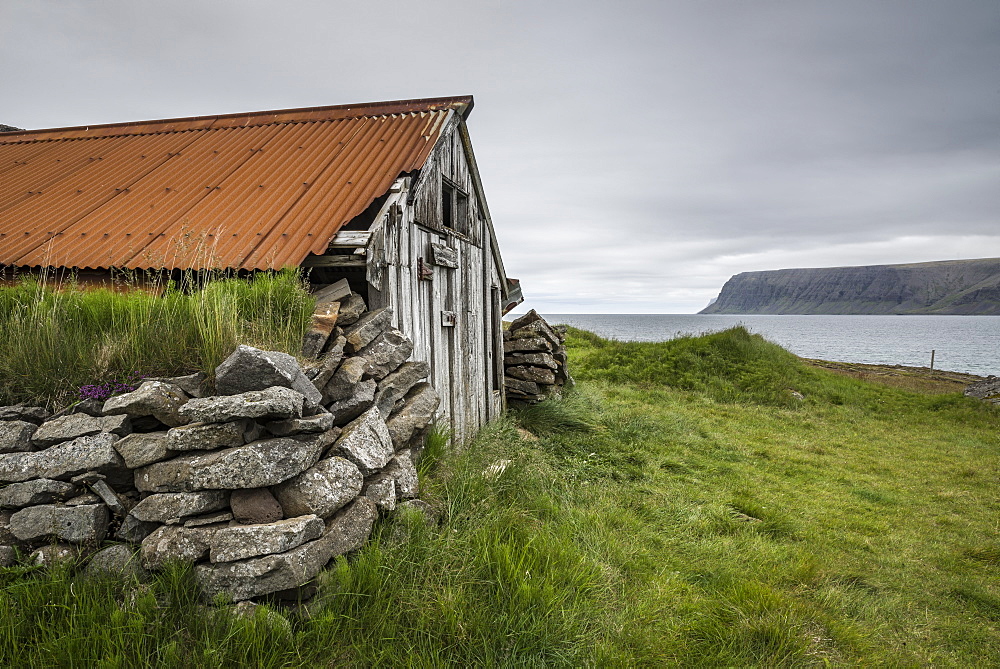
386	195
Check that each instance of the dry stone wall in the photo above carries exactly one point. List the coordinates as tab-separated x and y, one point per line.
534	359
259	481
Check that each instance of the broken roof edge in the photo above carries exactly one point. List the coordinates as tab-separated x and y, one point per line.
462	104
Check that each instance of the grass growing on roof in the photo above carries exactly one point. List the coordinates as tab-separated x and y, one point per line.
696	514
55	339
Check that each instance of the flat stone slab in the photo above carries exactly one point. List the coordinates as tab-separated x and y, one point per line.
153	398
176	543
529	344
171	507
240	542
311	425
322	489
540	375
394	386
91	453
256	465
536	359
360	401
248	369
270	404
254	577
366	442
143	448
351	309
207	436
344	382
368	327
416	413
20	412
118	560
386	353
75	524
34	492
67	428
329	362
15	436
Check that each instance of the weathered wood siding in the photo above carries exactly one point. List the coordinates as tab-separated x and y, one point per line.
463	357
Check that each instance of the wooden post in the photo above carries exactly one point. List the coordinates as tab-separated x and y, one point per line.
932	360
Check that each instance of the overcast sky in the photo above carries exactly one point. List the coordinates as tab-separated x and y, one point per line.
634	154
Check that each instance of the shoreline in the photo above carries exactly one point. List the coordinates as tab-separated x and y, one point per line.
918	379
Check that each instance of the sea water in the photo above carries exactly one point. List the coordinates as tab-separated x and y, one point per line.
969	344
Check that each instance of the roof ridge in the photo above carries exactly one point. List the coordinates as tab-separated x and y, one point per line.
463	104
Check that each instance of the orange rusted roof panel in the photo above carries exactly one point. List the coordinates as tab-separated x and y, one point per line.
258	190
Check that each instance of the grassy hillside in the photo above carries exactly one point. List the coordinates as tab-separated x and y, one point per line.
684	506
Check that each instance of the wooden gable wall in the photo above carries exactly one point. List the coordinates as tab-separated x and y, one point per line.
453	313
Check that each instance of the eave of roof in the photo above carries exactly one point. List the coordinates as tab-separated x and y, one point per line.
257	190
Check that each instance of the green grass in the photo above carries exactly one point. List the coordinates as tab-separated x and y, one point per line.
55	339
680	508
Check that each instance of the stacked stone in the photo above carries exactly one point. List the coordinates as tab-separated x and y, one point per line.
259	485
534	359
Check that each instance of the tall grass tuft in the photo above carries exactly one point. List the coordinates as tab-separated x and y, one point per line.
56	338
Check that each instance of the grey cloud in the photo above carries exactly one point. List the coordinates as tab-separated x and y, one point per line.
635	154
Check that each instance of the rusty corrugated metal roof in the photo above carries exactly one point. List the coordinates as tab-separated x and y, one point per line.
257	190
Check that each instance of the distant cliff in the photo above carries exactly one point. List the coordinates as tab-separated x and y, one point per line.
946	287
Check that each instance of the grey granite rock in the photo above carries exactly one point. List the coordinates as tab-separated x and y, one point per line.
536	359
143	448
344	382
6	536
381	489
351	309
322	489
386	353
352	406
77	425
255	506
153	398
528	345
209	519
74	524
329	362
394	387
207	436
240	542
402	470
8	556
91	453
416	413
176	543
289	426
366	442
248	369
255	465
171	507
34	492
15	436
368	327
28	414
192	384
540	375
269	404
118	560
134	530
54	554
253	577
